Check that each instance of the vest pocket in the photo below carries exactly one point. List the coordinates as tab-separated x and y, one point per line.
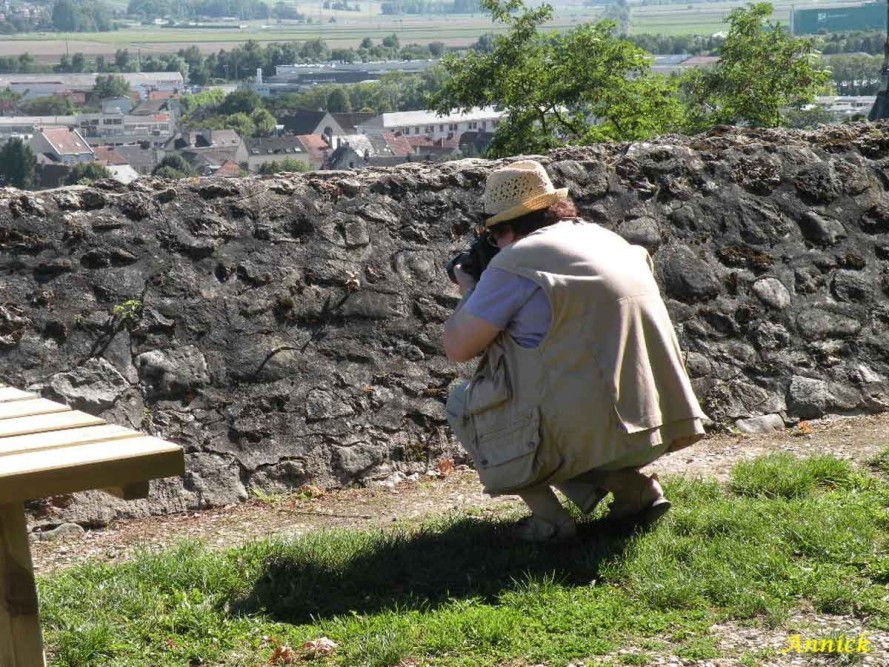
506	456
488	389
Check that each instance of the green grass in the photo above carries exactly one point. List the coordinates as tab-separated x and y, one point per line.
459	591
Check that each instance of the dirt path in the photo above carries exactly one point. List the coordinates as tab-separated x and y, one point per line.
858	439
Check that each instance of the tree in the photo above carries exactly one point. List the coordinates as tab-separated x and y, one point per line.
51	105
168	172
264	122
239	122
86	172
485	43
10	100
856	74
281	166
65	16
581	86
173	163
79	16
17	164
109	86
314	51
123	61
619	12
240	101
762	70
206	99
338	101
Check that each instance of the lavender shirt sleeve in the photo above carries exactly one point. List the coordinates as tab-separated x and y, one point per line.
511	302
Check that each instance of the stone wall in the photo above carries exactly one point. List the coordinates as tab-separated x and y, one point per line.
288	330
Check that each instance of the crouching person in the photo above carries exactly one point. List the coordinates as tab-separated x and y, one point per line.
581	382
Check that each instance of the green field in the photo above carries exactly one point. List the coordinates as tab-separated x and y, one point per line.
350	28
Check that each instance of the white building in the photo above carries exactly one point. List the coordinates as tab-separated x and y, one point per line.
32	86
97	128
24	127
845	107
62	145
428	123
126	129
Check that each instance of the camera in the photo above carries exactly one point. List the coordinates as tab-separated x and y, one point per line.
475	259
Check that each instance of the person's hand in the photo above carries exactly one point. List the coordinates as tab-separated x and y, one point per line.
465	281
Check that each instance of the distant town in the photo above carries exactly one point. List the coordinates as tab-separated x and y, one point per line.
263	108
136	124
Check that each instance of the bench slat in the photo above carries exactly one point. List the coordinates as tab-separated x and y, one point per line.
66	438
89	466
51	422
34	406
13	394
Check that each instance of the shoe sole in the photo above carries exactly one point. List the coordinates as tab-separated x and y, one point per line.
642	519
653	512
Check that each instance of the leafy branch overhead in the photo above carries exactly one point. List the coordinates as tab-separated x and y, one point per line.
589	84
762	72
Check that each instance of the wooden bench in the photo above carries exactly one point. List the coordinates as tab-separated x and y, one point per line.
47	448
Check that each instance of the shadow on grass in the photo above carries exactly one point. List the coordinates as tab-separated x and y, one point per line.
464	559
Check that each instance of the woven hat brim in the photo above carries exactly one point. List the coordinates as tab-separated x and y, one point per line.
529	206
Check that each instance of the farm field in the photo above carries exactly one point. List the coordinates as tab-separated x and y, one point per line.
349	28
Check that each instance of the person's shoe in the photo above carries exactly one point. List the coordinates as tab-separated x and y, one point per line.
641	505
591	502
535	529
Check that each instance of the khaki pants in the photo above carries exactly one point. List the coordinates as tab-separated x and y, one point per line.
585	490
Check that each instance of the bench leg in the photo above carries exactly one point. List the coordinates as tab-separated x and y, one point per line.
21	644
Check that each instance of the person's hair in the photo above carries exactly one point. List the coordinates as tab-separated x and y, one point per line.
563	209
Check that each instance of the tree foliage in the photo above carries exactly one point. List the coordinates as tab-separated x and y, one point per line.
580	86
51	105
241	101
191	9
856	74
588	85
762	70
281	166
263	123
86	172
17	164
109	86
82	16
173	166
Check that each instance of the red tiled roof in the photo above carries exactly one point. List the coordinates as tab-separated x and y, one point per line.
399	146
423	141
108	155
159	95
66	141
419	140
316	145
228	168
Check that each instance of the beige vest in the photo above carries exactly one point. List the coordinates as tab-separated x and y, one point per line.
608	377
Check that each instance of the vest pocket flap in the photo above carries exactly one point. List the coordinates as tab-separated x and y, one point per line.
488	390
519	438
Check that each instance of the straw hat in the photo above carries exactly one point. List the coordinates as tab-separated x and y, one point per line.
517	189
